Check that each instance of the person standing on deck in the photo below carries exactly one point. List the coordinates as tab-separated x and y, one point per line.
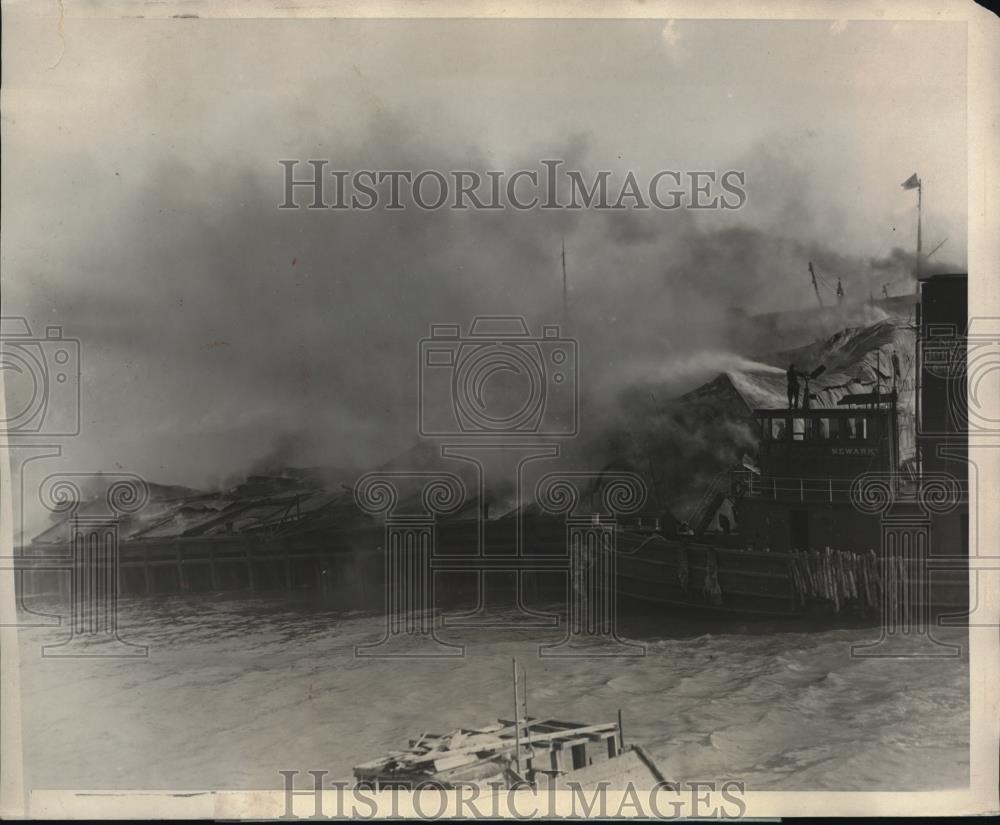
793	387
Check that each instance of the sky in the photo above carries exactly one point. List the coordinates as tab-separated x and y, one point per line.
141	185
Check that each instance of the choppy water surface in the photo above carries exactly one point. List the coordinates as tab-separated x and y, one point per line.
235	690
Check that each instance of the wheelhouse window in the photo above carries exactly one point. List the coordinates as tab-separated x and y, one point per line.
798	429
828	429
856	428
779	428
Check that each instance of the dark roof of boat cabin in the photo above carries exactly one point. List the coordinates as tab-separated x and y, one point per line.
942	276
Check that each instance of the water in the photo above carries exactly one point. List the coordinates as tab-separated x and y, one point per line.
235	690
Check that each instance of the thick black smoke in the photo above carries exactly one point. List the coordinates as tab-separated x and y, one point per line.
224	335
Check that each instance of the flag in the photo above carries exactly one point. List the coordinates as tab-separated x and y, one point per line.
912	182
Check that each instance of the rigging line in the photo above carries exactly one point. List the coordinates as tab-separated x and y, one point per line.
814	274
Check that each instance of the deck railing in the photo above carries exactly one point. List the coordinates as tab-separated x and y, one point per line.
799	487
805	489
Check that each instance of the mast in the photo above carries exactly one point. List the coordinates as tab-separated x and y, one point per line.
920	201
524	701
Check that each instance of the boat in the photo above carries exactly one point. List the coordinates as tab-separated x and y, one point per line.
845	503
520	753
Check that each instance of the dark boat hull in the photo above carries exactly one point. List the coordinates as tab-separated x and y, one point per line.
652	569
702	576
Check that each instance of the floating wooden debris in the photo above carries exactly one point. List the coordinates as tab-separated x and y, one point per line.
511	753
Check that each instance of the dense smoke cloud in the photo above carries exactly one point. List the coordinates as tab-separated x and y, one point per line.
259	338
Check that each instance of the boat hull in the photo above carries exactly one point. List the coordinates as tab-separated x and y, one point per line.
702	576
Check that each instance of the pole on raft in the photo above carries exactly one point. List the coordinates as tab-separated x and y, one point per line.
517	725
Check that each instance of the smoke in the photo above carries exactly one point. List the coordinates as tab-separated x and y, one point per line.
676	447
286	450
896	264
225	336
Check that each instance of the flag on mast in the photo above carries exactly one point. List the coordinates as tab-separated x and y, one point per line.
912	182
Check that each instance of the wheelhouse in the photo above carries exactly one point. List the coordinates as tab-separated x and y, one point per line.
815	454
827	443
